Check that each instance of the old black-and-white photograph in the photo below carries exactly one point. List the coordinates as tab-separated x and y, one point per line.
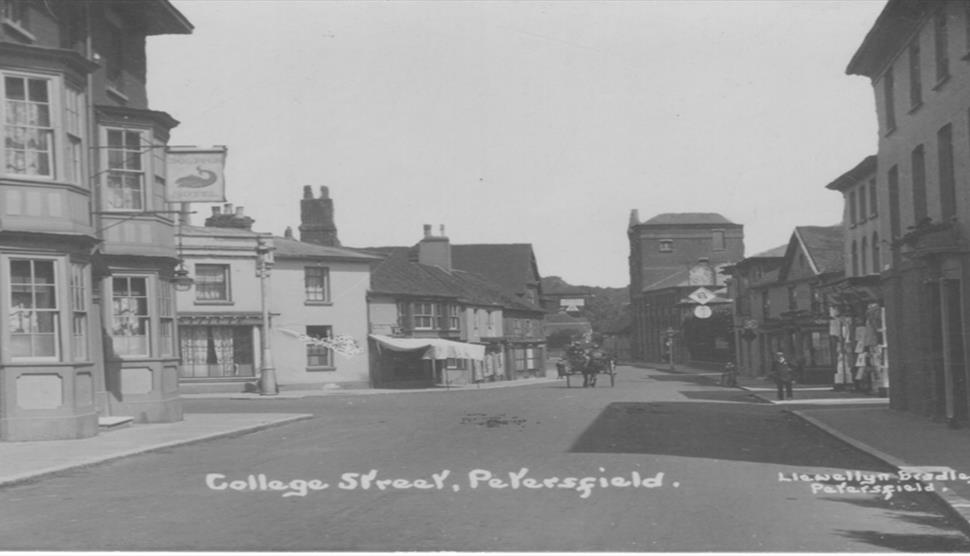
639	276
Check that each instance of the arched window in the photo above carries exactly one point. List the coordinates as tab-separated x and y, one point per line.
855	258
876	264
864	256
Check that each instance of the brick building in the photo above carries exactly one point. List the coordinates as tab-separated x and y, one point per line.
671	255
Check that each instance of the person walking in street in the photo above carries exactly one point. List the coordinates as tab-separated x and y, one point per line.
730	375
783	375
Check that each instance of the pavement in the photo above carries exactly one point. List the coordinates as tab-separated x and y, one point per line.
25	461
910	443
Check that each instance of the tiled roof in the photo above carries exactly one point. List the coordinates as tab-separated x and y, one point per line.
771	253
397	274
824	245
511	265
668	218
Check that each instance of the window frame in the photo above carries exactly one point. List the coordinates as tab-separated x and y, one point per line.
324	287
205	285
148	318
889	96
665	246
57	311
145	144
80	321
915	75
941	43
315	351
54	128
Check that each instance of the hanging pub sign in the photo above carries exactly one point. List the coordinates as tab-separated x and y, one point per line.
195	175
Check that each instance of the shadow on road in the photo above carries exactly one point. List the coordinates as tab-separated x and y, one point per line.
742	432
903	542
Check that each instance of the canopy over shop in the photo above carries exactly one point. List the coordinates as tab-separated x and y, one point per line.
415	362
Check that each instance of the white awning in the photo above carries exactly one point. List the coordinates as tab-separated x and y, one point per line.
436	348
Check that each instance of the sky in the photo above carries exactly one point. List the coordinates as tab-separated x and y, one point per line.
524	122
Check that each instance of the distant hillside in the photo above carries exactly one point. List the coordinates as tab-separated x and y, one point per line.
607	307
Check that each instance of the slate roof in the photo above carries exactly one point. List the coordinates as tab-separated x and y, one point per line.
511	265
292	249
775	252
861	170
824	245
669	218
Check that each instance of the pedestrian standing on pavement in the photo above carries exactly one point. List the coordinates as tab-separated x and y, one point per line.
784	376
561	367
730	375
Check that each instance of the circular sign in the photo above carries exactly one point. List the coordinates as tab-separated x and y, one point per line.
702	311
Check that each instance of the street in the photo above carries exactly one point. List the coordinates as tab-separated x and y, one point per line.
660	462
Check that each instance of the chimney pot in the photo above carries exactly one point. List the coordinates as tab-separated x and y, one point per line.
227	208
240	211
324	192
307	192
427	230
441	229
215	211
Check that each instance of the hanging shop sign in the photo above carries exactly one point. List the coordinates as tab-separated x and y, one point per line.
195	175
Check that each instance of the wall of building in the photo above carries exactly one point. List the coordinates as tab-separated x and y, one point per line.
347	314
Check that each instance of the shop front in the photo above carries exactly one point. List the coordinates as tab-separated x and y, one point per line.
857	325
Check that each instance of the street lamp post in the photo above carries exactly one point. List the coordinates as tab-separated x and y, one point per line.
267	374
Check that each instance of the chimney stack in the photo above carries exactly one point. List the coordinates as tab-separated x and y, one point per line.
316	218
226	218
435	250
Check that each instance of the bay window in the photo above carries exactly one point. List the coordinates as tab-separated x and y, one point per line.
423	316
34	318
124	186
130	320
79	311
166	319
28	126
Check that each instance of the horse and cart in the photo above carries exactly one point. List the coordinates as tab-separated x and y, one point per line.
588	363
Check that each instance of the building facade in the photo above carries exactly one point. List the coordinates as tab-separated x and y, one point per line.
668	254
314	292
749	278
793	317
856	305
86	240
916	57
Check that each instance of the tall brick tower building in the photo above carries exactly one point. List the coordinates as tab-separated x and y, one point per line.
316	218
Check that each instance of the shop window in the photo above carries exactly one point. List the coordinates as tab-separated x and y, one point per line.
317	355
34	315
316	280
457	364
216	351
130	318
212	282
125	176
